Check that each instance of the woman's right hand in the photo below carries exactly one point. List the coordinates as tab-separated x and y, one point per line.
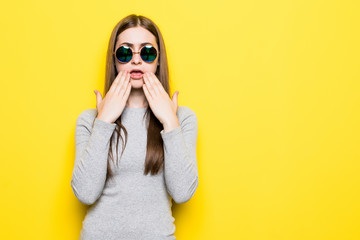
110	108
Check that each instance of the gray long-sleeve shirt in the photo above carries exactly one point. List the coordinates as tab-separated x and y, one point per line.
134	206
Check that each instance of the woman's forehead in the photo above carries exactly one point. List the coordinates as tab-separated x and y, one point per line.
136	36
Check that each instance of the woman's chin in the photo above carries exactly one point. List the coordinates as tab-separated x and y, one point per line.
136	83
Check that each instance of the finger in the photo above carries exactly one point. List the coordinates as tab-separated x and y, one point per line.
149	86
98	98
147	93
175	98
115	82
128	90
153	84
125	81
121	84
157	82
124	89
146	83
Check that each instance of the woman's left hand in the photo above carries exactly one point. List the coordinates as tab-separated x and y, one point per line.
159	101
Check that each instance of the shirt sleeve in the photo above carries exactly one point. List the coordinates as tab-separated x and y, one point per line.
92	141
180	163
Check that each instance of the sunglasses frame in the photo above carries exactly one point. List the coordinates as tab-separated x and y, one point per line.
133	52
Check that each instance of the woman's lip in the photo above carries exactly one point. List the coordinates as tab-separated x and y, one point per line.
136	75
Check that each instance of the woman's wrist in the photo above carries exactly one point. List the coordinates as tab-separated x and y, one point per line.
103	119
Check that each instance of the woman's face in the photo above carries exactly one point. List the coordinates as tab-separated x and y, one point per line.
136	36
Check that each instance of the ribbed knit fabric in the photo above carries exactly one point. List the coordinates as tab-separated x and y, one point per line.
134	206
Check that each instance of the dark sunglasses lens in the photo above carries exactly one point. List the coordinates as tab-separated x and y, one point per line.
148	53
124	54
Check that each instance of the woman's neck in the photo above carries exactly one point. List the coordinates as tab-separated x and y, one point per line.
137	99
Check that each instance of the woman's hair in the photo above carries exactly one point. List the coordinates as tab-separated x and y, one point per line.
154	161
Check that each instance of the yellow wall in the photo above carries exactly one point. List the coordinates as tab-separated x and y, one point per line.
275	85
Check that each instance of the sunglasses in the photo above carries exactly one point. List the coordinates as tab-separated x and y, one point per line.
124	54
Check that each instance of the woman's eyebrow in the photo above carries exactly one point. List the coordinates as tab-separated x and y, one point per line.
131	45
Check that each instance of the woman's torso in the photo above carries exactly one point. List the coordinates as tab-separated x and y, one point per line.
132	205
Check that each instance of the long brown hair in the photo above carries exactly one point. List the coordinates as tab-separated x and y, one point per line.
154	161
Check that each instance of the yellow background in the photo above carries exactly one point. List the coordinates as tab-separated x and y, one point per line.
275	86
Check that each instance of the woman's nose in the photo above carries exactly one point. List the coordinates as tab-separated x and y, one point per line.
136	58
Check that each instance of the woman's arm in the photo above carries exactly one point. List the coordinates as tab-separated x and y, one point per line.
180	166
92	141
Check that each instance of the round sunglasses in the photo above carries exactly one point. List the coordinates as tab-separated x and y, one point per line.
124	54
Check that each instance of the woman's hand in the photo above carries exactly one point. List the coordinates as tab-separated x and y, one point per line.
110	108
159	101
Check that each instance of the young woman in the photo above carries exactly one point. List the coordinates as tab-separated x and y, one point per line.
130	191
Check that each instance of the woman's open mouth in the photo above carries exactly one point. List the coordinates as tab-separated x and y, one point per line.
136	74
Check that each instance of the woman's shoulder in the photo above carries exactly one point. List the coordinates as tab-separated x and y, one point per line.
185	110
87	115
186	113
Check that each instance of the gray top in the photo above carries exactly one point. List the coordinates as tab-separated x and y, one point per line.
134	206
